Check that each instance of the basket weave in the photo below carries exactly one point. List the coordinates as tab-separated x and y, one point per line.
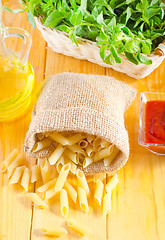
61	43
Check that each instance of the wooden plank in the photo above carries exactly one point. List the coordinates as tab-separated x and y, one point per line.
57	63
15	209
138	201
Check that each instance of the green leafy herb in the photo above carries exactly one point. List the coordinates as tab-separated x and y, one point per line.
129	27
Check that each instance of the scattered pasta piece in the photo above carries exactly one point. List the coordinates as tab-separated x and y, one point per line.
56	154
40	136
9	159
59	138
78	227
83	143
54	231
25	182
35	173
90	151
112	183
64	205
104	143
98	194
14	164
46	186
103	153
15	178
109	159
76	138
71	191
42	144
83	202
107	203
82	182
90	138
71	155
38	202
87	161
45	173
96	142
60	164
62	177
49	194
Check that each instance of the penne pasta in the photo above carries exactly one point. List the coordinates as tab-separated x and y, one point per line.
76	148
90	138
38	202
76	138
104	143
25	179
46	186
96	142
90	151
98	194
105	152
78	227
82	182
56	154
80	161
73	167
42	144
54	231
83	202
71	191
71	155
58	137
45	173
64	205
108	160
15	178
40	136
9	159
87	161
60	164
112	183
49	194
62	177
35	173
106	203
83	143
3	167
14	164
82	155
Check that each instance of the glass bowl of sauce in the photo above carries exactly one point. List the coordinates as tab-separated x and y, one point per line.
152	122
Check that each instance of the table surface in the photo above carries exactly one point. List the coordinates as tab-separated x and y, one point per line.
138	202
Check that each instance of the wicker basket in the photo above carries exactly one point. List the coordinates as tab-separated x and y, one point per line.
61	43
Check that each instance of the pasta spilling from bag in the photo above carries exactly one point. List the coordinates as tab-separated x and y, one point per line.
81	118
59	184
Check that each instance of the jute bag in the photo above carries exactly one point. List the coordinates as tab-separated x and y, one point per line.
83	103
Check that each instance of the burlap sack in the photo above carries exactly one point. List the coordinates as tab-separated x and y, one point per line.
83	103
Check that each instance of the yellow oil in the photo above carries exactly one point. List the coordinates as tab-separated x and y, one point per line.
16	85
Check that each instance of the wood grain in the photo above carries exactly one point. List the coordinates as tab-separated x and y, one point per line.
138	207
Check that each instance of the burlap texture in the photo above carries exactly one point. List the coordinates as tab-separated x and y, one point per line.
83	103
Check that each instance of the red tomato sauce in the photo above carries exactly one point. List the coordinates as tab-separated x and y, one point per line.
155	122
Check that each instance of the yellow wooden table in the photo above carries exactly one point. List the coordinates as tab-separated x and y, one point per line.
138	203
